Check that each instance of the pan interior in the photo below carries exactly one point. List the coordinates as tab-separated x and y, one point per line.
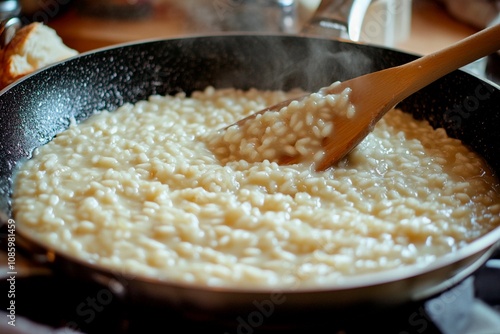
461	103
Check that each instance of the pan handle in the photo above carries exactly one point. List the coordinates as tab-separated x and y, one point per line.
22	268
13	262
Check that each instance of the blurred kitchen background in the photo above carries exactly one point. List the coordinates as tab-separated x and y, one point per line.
416	26
88	24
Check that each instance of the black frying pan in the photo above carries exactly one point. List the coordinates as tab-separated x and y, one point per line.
38	107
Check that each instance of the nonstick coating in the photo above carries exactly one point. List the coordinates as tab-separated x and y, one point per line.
35	109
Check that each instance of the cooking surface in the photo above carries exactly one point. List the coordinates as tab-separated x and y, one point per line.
54	301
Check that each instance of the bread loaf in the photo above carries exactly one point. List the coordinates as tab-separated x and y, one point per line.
33	47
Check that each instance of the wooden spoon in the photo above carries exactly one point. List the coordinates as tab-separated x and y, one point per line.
376	93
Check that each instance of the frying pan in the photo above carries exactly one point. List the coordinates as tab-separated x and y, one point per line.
36	108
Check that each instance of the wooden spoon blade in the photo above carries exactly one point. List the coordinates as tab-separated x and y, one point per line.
374	94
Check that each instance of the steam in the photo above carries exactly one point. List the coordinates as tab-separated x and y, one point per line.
240	15
310	65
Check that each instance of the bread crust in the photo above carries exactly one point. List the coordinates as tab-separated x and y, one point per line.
16	57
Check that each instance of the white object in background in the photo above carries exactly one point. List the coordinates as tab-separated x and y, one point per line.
387	22
383	22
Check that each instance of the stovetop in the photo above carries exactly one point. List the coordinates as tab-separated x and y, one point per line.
63	305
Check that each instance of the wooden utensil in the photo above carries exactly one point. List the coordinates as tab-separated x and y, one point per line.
376	93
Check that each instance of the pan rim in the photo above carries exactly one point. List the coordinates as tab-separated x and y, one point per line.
489	239
228	35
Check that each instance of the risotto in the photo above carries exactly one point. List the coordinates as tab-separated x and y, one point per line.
153	190
296	131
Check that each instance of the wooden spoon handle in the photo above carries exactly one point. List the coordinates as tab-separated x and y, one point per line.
376	93
399	82
427	69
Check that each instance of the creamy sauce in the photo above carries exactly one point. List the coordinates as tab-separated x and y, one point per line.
138	190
